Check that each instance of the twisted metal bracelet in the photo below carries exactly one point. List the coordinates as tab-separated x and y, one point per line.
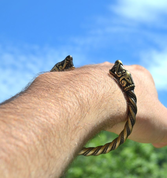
125	81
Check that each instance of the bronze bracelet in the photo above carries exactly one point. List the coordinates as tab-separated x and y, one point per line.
125	81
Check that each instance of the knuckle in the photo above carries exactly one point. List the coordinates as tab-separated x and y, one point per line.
139	67
106	63
144	71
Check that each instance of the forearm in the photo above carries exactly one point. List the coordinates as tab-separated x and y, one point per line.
43	129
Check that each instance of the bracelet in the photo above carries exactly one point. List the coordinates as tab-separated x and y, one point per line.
125	81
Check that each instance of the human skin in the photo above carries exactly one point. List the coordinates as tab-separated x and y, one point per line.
44	128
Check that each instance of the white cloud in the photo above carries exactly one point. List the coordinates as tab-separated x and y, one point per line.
126	22
156	62
141	10
18	66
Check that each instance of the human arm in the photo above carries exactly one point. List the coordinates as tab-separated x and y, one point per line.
43	129
151	122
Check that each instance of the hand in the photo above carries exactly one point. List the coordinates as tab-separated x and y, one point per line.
151	121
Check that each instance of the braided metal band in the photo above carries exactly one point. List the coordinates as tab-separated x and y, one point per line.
125	81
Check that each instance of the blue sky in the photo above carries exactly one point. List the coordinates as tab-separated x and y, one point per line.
34	35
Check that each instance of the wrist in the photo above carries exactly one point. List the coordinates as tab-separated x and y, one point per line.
92	93
86	99
61	111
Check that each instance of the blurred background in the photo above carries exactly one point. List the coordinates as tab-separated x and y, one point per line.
34	35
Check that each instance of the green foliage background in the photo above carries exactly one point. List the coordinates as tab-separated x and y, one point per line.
130	160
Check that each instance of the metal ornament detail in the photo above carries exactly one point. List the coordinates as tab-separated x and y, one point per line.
124	79
66	64
122	76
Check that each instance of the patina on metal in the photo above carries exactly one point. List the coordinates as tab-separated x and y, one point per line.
66	64
122	76
125	81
